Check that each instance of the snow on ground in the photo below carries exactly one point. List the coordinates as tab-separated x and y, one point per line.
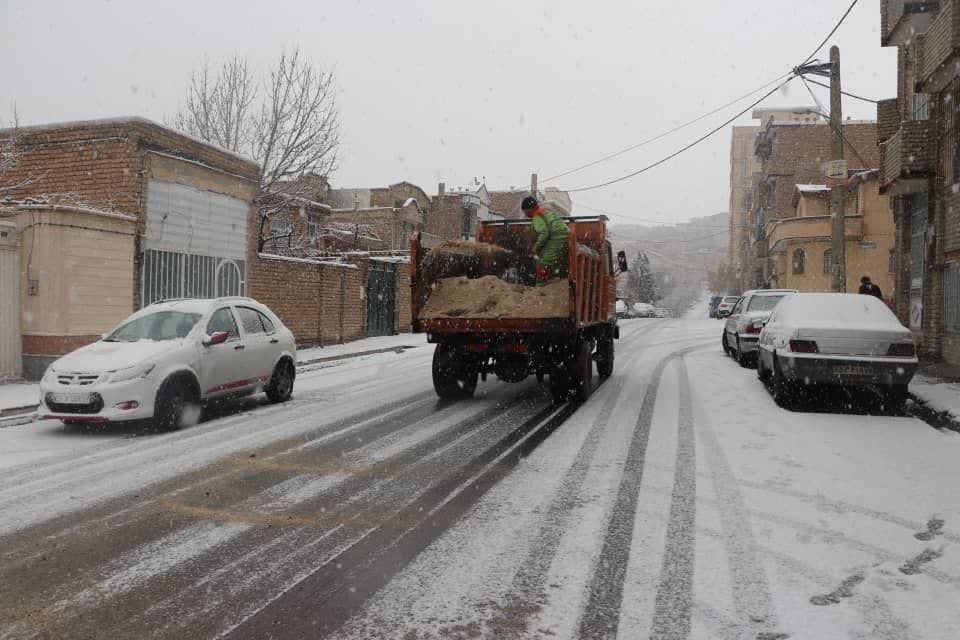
756	520
18	394
367	344
943	397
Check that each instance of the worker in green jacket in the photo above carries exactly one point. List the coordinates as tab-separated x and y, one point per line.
550	243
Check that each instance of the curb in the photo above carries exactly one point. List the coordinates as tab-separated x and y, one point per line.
921	410
357	354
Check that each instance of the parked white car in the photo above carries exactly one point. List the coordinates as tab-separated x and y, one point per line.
741	332
843	339
170	357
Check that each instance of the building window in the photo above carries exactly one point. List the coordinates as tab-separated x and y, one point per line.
921	106
828	261
798	259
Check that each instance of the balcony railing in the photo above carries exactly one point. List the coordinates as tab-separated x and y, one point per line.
939	43
905	157
810	227
902	20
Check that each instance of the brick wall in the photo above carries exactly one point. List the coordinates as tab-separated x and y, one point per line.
445	222
799	151
320	304
404	314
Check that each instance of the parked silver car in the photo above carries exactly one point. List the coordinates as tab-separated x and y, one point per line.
726	306
742	329
842	339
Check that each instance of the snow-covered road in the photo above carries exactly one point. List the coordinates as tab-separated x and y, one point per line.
678	502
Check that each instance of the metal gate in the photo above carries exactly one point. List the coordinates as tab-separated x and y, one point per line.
10	363
168	275
381	296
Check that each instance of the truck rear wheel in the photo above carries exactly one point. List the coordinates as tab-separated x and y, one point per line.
559	384
454	373
583	368
605	353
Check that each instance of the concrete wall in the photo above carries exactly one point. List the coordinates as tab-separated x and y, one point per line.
81	265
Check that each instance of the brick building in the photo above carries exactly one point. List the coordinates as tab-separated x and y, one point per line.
920	169
181	213
793	153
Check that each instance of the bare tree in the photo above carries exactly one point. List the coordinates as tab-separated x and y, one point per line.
10	155
289	123
218	107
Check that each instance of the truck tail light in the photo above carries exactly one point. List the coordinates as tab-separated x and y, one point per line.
755	327
902	350
803	346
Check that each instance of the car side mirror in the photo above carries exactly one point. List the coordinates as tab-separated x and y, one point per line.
622	261
217	337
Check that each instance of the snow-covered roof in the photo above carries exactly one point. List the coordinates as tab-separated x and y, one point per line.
12	205
332	262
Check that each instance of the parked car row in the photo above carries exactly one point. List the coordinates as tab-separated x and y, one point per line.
806	340
170	358
640	310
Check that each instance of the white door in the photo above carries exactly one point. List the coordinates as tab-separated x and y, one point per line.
224	367
260	346
10	363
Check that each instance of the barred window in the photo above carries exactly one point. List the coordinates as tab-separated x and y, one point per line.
799	257
921	106
828	261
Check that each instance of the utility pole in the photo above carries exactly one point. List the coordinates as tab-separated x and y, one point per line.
838	176
533	185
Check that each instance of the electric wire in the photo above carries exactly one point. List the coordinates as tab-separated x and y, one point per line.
687	147
664	134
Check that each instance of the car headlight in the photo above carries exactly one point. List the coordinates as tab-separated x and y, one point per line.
130	373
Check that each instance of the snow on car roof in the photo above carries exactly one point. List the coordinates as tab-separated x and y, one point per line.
847	310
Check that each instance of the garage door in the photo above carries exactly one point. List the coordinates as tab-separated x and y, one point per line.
195	243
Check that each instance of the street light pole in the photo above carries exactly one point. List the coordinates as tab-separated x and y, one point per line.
839	176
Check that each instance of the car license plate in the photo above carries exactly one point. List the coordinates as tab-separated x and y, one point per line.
66	397
853	370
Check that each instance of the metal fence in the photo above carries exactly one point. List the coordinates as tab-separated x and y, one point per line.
179	275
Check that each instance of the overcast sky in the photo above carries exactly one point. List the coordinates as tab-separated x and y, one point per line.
445	90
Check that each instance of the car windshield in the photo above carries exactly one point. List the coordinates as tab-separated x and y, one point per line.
763	303
730	300
159	326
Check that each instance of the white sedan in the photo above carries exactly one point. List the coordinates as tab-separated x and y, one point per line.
843	339
166	360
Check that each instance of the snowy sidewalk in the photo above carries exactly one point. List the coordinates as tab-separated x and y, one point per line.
18	400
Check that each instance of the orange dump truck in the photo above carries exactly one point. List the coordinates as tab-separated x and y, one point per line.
554	332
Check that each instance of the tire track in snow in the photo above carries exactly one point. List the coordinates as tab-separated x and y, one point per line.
752	598
376	558
335	435
674	602
360	504
528	593
601	616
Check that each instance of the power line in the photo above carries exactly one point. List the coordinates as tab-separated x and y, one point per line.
832	31
687	147
789	77
846	93
664	134
614	214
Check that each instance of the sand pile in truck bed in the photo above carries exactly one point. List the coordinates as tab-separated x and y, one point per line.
462	258
491	297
